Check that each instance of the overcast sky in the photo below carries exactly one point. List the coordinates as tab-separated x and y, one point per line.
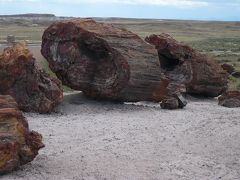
161	9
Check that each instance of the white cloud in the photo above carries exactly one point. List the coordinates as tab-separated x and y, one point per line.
155	2
177	3
181	3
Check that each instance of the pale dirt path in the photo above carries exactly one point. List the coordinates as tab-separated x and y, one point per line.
93	140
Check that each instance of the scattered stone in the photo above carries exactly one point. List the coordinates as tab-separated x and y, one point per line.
169	103
181	101
173	102
228	67
201	75
104	61
230	99
18	145
33	89
236	74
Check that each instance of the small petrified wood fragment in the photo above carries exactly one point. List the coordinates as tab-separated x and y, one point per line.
18	145
236	74
182	64
104	61
230	99
228	67
33	89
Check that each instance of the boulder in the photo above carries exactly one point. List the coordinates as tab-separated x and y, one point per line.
230	99
103	61
18	145
33	89
182	64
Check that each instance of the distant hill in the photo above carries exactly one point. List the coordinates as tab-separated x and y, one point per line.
30	15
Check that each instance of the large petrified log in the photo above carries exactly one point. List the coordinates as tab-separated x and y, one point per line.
33	89
104	61
18	145
182	64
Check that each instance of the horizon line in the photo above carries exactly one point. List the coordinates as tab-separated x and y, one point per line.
119	17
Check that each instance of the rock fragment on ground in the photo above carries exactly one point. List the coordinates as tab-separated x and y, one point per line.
236	74
228	67
169	103
230	99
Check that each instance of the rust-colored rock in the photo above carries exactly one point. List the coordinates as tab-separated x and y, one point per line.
182	64
104	61
33	89
228	67
230	99
18	145
169	103
173	102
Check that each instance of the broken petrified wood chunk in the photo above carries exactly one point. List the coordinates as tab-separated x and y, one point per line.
175	102
104	61
18	145
228	67
230	99
182	64
33	89
169	103
236	74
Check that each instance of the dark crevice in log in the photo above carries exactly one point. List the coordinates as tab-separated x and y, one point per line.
168	64
200	74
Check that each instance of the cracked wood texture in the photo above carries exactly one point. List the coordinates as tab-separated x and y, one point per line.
182	64
18	145
104	61
33	89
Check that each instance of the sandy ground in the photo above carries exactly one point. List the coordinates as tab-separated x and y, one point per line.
101	140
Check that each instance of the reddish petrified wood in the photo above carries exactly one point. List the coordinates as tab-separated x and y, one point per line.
182	64
230	99
228	67
104	61
33	89
18	145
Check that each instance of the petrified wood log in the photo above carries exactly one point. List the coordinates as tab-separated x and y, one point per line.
18	145
230	99
104	61
182	64
33	89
